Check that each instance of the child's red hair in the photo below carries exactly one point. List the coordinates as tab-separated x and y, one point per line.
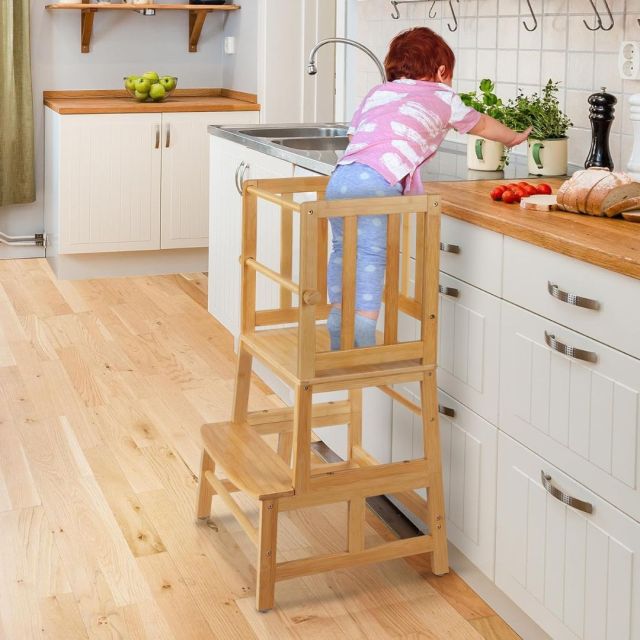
418	53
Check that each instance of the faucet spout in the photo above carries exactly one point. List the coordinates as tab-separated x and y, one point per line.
312	67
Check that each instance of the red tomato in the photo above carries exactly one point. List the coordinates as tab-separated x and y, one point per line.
523	184
544	189
530	189
496	194
500	188
512	185
509	197
520	192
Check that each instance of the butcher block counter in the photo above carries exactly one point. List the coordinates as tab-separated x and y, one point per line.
612	243
119	101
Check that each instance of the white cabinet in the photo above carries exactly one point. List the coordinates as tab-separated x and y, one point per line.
231	163
584	417
129	182
576	574
109	179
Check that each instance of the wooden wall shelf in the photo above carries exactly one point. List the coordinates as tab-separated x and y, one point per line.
197	15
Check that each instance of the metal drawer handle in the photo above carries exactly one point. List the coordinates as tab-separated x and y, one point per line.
167	140
580	505
449	248
448	291
572	352
446	411
572	298
157	136
235	178
240	171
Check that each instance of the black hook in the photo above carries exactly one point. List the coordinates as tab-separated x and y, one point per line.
455	20
433	14
396	14
600	26
535	20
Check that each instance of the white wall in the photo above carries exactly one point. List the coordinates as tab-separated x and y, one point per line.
240	71
121	45
491	42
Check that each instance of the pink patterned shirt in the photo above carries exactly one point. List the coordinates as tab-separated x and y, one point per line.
400	125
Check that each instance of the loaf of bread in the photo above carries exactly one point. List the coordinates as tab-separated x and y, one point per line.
599	192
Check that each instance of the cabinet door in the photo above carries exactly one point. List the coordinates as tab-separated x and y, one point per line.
576	574
231	161
110	182
185	175
582	416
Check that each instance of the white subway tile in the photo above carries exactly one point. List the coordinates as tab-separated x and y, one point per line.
579	144
487	33
554	32
579	70
488	8
580	38
507	65
555	6
529	39
606	72
486	64
466	64
528	67
468	33
610	40
508	33
577	108
509	7
553	66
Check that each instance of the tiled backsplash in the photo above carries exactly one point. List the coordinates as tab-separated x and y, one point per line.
491	42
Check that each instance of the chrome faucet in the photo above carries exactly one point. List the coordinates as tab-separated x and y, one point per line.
312	68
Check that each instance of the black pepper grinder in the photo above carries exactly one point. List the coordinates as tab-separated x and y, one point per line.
601	116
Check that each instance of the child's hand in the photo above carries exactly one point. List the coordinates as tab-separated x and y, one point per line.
519	137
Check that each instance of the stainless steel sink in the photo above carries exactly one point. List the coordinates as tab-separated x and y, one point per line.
296	132
338	143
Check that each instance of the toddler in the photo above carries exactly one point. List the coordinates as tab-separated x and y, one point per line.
397	127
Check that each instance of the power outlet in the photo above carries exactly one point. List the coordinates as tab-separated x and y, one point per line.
229	45
629	60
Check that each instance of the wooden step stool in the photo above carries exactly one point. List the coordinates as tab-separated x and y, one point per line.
300	356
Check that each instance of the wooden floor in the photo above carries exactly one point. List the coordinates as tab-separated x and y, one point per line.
103	387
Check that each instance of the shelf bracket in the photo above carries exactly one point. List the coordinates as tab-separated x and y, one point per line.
196	20
86	29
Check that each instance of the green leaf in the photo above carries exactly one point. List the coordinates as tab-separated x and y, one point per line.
486	85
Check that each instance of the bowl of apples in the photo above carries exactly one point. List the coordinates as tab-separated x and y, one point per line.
150	87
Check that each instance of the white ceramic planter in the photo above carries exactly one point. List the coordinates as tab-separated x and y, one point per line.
485	155
548	157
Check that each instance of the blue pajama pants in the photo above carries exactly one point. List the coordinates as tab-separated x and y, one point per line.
360	181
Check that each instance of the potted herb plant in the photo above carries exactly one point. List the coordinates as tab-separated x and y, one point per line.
548	142
483	154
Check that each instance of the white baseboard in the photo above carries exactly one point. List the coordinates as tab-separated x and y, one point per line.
15	253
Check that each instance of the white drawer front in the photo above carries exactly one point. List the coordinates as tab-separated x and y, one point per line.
469	331
615	323
469	469
582	416
479	261
577	575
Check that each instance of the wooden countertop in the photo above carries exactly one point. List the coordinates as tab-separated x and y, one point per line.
119	101
612	243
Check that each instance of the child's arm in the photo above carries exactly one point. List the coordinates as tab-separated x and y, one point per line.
490	128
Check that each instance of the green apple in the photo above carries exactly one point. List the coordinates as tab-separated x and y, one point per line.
130	82
151	75
157	91
142	85
168	82
140	96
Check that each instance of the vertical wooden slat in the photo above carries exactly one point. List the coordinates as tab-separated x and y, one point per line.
349	254
286	250
406	253
323	257
356	525
267	544
302	415
205	491
249	250
308	282
420	248
391	283
430	271
242	385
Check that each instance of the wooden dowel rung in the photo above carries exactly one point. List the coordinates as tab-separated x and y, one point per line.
239	515
391	291
392	393
272	275
272	197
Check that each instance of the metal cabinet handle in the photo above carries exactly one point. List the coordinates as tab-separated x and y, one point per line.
448	291
580	505
235	178
572	352
239	177
446	411
449	248
571	298
167	139
157	136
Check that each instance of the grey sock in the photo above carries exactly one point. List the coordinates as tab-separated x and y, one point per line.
365	331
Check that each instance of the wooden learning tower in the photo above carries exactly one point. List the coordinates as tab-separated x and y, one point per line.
299	355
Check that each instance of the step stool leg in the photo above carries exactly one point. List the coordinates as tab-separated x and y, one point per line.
267	543
242	386
205	490
285	442
356	525
435	492
355	420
